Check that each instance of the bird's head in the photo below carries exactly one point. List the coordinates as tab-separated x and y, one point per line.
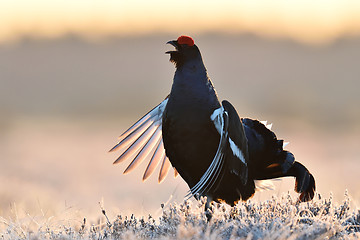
185	50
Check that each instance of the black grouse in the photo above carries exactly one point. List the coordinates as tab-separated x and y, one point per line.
218	154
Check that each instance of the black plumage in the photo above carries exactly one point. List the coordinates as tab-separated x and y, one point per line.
218	154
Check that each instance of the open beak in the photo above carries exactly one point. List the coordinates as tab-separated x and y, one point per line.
175	44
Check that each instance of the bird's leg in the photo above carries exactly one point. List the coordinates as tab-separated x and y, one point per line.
208	211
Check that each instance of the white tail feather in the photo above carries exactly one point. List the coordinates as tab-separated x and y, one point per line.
264	185
264	122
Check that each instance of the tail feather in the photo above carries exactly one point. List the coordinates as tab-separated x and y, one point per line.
267	157
269	160
309	193
304	182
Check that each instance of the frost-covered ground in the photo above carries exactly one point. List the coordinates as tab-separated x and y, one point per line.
276	218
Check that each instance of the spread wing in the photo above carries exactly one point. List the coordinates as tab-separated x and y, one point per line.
143	142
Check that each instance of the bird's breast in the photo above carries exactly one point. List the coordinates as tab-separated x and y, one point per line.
190	141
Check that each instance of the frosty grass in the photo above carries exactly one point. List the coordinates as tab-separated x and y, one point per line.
276	218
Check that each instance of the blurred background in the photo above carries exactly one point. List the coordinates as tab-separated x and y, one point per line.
75	74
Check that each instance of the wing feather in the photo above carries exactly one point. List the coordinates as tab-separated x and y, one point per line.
135	126
155	159
132	136
165	167
238	142
208	179
145	151
137	144
143	142
176	173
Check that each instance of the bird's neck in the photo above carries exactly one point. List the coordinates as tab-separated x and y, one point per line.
193	88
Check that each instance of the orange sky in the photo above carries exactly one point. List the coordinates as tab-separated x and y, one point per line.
307	21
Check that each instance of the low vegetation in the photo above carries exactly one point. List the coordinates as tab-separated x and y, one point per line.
276	218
